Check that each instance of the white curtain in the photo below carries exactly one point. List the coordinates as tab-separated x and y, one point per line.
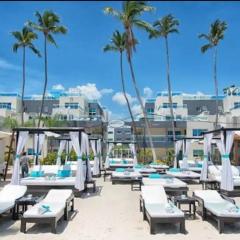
226	173
99	152
133	150
96	169
206	150
38	145
110	147
79	182
186	148
22	139
178	145
85	150
68	150
60	150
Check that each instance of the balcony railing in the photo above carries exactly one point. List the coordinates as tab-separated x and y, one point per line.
174	106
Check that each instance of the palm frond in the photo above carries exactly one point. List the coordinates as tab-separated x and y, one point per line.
18	35
109	47
111	11
51	40
206	47
15	47
34	50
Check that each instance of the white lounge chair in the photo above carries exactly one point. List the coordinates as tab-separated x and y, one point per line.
157	209
184	175
8	195
57	204
223	209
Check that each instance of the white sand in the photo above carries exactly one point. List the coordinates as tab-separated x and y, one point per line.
113	214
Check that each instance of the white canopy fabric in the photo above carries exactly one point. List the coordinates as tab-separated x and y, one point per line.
38	145
186	148
51	134
206	149
96	169
85	150
226	173
68	150
110	147
79	182
22	139
133	150
99	152
178	146
60	150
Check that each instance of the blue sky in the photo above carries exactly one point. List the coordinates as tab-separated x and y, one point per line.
80	61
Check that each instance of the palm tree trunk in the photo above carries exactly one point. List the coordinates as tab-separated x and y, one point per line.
215	83
142	108
46	80
23	85
170	91
128	104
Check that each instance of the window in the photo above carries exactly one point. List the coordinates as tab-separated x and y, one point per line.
92	112
237	105
197	152
6	106
165	105
30	151
72	105
198	132
168	117
177	133
178	117
110	132
168	105
174	105
150	111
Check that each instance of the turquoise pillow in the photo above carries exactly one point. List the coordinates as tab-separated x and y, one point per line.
125	161
112	161
154	175
37	174
199	165
174	170
120	170
138	166
64	173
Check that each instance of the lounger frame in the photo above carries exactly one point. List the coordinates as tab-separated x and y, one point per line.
156	220
220	220
50	220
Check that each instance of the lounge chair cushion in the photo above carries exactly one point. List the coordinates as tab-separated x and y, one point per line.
154	194
165	182
58	195
56	210
9	194
163	211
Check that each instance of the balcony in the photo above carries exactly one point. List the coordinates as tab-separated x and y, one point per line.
174	106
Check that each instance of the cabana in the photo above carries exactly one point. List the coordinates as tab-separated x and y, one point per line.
80	144
185	144
227	176
113	163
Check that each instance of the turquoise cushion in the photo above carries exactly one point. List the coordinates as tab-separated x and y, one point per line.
37	174
124	161
154	175
138	166
174	170
199	165
64	173
112	161
120	170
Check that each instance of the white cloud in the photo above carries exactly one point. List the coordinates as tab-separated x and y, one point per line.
148	92
106	91
4	64
119	98
89	90
136	109
58	87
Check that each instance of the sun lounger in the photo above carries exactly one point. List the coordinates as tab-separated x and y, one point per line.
223	209
125	176
157	209
51	209
8	195
171	185
184	175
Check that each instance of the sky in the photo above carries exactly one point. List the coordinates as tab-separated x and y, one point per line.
80	63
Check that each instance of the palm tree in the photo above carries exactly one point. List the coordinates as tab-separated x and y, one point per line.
130	18
48	24
162	28
24	39
215	35
118	44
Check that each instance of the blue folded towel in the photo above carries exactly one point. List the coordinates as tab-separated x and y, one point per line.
154	175
120	170
64	173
